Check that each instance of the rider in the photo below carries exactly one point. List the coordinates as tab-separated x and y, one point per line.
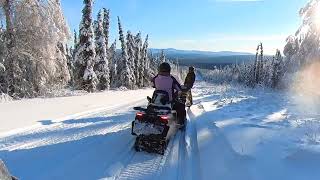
166	82
188	83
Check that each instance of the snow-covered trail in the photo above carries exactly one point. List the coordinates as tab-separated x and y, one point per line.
95	146
232	133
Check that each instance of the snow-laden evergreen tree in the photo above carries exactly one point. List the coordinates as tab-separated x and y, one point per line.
3	52
114	78
304	47
139	61
101	67
153	62
277	70
85	53
261	63
75	39
132	56
33	33
162	56
148	71
268	65
124	69
70	63
13	81
106	25
258	66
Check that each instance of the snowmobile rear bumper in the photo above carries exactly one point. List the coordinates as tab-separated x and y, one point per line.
151	144
147	129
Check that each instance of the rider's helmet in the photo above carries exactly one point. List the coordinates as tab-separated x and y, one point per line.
165	68
191	69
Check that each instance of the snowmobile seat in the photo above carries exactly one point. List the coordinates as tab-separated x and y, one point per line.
160	97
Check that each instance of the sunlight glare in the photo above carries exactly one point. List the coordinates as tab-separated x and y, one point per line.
317	16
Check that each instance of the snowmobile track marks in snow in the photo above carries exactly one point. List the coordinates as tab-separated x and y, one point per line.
145	165
180	161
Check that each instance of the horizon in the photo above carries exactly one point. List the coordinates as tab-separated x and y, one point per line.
215	25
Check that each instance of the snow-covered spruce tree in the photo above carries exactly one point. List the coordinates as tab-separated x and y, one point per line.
131	56
106	25
258	67
162	56
277	70
75	39
124	71
304	47
101	67
12	77
70	63
148	71
139	63
114	78
268	65
3	52
154	63
261	63
85	53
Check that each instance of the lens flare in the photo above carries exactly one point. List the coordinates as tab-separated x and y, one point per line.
306	88
317	16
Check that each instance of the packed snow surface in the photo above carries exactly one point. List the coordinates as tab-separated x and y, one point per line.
232	133
34	112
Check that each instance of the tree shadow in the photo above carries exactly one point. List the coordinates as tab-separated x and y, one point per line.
218	158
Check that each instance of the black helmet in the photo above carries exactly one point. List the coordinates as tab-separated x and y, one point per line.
191	68
164	67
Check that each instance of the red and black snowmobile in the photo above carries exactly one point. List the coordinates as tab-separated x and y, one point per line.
155	125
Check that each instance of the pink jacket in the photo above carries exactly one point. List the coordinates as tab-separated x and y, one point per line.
166	83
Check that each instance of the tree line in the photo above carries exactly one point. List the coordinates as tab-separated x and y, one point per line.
301	50
263	71
35	57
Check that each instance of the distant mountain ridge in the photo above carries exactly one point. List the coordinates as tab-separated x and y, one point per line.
205	59
171	51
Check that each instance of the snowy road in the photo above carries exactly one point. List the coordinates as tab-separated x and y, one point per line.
232	133
97	146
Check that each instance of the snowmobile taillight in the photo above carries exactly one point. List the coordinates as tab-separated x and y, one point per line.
139	115
164	119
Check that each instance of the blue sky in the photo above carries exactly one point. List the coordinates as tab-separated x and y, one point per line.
214	25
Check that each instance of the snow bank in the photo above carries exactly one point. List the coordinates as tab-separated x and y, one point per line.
244	132
5	98
19	115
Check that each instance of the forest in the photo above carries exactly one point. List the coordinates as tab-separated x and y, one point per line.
36	57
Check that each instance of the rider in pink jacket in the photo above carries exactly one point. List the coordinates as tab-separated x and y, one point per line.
165	82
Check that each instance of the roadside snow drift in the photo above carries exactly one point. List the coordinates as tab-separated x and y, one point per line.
28	112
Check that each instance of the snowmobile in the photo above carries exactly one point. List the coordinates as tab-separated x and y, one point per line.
155	125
